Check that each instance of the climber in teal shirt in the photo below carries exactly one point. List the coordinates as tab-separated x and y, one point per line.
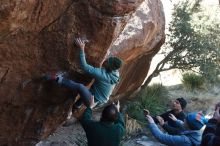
105	79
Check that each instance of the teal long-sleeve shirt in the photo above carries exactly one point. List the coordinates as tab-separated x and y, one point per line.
104	81
102	133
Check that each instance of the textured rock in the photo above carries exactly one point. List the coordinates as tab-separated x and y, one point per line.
36	37
138	43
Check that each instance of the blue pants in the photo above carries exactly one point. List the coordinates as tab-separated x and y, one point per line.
85	94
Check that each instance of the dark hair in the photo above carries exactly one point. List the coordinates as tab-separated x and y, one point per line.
109	114
182	102
108	69
114	63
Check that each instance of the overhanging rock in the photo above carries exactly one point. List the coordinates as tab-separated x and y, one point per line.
36	37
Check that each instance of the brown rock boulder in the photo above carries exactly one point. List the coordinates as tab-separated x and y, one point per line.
138	43
36	38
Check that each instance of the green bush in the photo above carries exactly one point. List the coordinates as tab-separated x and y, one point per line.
154	98
192	81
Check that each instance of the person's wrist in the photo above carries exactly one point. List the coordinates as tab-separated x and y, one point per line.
151	121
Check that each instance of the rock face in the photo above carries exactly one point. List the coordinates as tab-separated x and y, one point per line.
137	44
36	37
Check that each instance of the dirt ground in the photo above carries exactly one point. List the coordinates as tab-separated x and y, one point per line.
73	135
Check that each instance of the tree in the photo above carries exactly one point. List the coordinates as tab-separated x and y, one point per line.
192	43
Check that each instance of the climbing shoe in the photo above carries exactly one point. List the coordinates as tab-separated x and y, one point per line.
58	76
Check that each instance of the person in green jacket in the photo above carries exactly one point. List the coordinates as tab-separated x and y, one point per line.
106	132
105	77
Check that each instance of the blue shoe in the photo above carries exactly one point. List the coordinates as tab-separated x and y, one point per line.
60	76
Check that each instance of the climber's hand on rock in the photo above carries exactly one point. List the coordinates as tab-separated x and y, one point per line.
80	43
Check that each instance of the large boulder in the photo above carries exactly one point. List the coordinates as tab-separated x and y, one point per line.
36	37
137	44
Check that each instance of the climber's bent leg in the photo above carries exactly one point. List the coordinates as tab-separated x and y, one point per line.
85	94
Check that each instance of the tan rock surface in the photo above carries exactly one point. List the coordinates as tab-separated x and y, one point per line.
138	43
